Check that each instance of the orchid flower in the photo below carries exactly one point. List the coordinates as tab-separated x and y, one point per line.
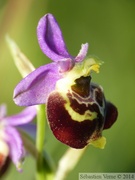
10	140
77	110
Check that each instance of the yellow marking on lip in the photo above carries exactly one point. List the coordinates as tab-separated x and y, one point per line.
88	115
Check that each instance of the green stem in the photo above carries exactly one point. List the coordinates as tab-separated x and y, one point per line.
41	121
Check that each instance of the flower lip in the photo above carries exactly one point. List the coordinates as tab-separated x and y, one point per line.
71	125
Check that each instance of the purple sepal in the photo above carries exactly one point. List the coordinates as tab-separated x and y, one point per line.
50	38
35	88
22	118
15	145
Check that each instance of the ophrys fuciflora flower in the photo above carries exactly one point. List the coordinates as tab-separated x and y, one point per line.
77	110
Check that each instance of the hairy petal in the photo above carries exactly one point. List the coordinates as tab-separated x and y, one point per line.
50	38
16	147
35	88
83	52
24	117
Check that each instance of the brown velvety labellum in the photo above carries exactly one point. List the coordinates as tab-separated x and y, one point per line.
71	132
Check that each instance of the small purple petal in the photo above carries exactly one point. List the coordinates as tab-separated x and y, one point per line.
82	53
50	38
3	111
24	117
15	144
34	89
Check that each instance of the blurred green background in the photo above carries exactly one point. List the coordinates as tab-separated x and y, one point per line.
109	27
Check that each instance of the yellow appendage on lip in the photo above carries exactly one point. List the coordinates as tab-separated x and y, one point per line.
99	143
